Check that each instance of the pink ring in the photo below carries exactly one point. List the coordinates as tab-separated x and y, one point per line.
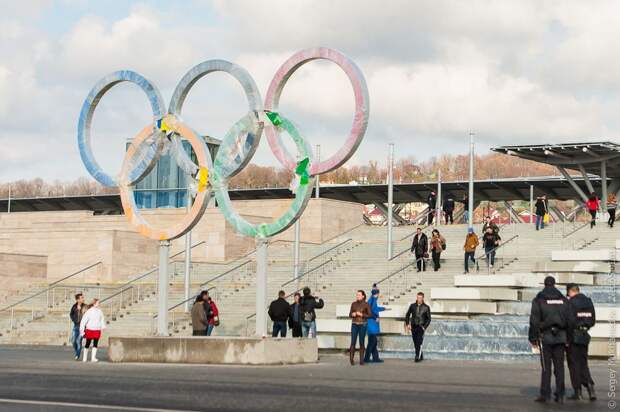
360	120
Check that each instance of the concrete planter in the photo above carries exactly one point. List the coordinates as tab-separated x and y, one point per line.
213	350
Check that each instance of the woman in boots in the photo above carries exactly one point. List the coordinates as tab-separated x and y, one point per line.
359	314
91	326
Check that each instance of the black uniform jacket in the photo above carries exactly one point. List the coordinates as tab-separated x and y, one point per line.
582	317
549	317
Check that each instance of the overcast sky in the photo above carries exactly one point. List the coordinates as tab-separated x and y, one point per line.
513	72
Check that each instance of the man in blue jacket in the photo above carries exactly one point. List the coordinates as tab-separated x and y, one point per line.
374	330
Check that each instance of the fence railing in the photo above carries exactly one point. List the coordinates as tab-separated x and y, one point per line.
38	304
501	259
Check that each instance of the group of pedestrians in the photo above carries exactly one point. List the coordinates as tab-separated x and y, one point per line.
364	316
300	316
88	324
420	247
559	329
448	206
205	315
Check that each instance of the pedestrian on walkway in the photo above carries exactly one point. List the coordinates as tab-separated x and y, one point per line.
612	204
541	211
432	204
279	312
448	208
91	326
294	322
489	223
592	205
419	248
77	312
374	328
438	245
359	314
465	202
309	304
208	309
490	241
471	243
417	320
582	318
200	323
548	332
214	319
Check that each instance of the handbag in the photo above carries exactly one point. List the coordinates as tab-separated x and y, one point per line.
216	321
546	218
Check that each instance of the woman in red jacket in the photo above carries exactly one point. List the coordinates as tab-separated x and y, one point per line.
214	319
592	204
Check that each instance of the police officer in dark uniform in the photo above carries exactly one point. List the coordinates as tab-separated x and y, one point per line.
548	331
582	317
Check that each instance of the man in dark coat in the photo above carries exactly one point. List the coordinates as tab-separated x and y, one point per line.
582	318
417	319
541	211
432	204
279	312
448	208
548	331
309	304
419	247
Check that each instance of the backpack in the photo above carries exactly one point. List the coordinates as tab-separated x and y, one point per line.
443	245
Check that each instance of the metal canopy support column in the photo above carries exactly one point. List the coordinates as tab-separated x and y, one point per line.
604	185
586	178
570	180
317	177
531	203
188	260
390	206
470	198
438	206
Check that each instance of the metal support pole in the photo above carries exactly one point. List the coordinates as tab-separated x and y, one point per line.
390	199
586	178
470	199
604	185
576	187
532	204
162	289
261	286
438	206
296	249
9	203
188	259
318	159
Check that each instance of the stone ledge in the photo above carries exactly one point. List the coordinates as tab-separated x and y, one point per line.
213	350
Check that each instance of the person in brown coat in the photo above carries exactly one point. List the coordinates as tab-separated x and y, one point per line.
359	314
200	323
471	243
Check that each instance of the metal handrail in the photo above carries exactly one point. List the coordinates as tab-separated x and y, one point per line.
226	273
329	250
397	271
50	287
498	246
575	230
307	272
186	300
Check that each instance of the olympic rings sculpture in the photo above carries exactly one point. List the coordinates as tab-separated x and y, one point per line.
211	176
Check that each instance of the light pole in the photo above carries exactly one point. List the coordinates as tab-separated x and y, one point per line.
318	160
470	198
390	199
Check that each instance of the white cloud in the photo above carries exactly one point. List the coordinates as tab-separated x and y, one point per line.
513	71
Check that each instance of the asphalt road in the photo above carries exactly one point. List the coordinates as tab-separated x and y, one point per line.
48	379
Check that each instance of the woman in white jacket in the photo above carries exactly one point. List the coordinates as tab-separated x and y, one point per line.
91	326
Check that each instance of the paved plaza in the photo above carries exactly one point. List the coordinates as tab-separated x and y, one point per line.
48	379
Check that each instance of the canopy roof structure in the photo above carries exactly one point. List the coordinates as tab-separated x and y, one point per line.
494	190
592	158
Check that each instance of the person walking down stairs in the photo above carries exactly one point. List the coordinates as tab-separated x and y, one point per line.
419	248
612	204
91	326
438	245
417	320
471	243
359	314
541	211
490	241
592	205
